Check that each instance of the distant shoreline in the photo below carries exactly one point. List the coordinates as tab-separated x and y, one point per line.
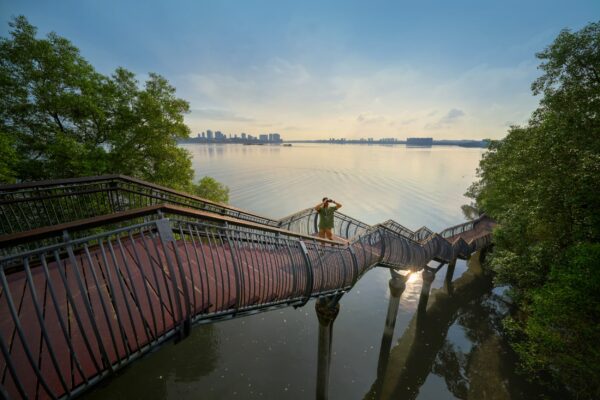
460	143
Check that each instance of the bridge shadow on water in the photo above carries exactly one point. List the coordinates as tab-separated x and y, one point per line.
481	366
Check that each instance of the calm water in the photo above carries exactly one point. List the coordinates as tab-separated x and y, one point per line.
455	352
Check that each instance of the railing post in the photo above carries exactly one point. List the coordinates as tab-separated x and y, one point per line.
166	237
354	264
383	236
236	269
309	274
114	200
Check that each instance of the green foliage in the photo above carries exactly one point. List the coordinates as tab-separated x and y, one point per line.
8	159
60	118
541	182
211	189
562	331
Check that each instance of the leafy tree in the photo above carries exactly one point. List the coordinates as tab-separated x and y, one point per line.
8	160
209	188
60	118
562	331
541	184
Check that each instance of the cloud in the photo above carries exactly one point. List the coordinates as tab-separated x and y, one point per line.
356	98
218	115
449	119
370	118
293	74
452	116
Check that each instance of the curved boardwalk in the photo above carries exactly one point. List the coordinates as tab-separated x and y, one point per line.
72	311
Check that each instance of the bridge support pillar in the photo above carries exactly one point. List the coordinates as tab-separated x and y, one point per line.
449	276
327	310
428	277
397	285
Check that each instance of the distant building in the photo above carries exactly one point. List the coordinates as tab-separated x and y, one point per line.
243	136
263	138
276	138
421	142
219	135
209	134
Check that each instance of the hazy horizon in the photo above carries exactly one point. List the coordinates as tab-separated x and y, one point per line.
313	71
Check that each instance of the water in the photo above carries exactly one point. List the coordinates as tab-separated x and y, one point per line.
414	186
454	352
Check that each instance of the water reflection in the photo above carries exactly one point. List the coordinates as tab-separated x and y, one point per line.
327	309
187	361
411	359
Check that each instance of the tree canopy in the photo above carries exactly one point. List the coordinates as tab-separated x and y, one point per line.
541	184
61	118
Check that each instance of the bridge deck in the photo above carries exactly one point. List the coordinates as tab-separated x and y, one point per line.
130	288
482	227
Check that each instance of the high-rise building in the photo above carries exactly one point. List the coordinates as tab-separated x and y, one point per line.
243	135
209	134
263	138
276	138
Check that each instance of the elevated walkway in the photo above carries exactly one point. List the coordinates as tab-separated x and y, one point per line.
96	272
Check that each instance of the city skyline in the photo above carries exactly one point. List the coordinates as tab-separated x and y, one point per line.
341	69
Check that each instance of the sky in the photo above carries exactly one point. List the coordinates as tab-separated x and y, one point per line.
321	69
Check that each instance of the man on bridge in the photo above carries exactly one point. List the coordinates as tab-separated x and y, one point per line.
326	217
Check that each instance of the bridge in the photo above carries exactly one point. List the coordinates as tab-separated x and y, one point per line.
97	272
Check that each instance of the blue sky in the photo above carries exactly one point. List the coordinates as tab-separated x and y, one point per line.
446	69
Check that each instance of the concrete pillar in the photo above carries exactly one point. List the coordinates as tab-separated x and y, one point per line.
327	311
397	285
428	277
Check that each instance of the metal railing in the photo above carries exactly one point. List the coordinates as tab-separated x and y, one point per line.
32	205
81	299
458	229
306	222
36	204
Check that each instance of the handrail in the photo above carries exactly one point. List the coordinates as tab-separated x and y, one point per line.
125	178
303	222
8	193
40	233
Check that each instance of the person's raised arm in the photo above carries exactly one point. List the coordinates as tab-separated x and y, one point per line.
319	206
337	205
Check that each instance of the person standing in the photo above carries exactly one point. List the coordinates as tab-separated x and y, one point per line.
326	217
